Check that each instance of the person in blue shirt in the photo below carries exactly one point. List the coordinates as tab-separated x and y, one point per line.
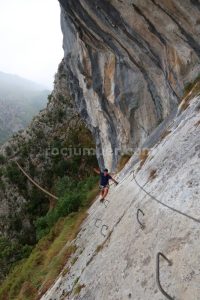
104	182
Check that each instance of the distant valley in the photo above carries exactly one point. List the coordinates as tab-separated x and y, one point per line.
20	100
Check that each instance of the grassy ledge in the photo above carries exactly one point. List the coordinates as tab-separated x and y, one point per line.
32	277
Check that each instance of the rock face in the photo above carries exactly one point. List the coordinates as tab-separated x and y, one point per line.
115	257
127	64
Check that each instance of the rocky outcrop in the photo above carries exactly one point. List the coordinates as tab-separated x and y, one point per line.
127	64
116	256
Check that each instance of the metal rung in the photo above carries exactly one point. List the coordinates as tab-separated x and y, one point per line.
104	226
158	274
97	220
105	203
141	224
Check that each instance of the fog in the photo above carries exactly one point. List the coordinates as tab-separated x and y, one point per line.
31	39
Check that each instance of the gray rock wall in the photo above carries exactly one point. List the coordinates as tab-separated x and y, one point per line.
128	62
118	262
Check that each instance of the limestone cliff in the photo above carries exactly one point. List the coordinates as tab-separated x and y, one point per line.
127	64
116	256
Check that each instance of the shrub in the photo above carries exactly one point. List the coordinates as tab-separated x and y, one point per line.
152	174
61	98
188	87
78	289
38	203
8	151
15	176
60	168
164	134
10	252
15	223
143	155
49	97
191	90
40	134
1	172
2	159
123	160
31	169
2	186
24	150
72	196
63	76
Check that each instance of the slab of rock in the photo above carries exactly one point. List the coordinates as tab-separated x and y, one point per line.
118	262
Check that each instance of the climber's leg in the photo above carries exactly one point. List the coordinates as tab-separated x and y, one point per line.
105	192
101	187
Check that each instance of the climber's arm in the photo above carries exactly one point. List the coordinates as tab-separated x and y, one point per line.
114	180
96	171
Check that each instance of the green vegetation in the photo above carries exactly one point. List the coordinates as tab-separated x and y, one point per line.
191	90
152	174
123	161
8	151
73	196
2	186
41	219
164	134
143	155
11	252
78	289
99	248
74	260
61	98
15	176
2	159
1	172
190	85
70	179
49	97
31	277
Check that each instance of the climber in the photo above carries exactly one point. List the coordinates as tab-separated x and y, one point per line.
104	182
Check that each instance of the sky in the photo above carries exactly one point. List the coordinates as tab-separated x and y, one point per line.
31	39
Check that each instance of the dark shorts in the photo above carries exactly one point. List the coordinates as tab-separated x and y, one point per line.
102	187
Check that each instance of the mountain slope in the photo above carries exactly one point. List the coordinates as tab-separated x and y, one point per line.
20	100
20	84
118	260
44	151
